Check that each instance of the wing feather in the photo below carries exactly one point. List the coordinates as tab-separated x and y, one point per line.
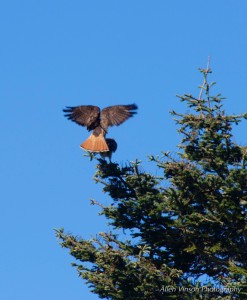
84	115
116	115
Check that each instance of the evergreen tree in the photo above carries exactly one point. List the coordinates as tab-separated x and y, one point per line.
189	222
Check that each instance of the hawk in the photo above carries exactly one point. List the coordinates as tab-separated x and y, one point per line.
112	145
98	121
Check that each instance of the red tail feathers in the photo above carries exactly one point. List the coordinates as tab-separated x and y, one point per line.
95	144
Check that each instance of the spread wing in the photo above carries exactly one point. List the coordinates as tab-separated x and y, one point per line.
116	115
85	115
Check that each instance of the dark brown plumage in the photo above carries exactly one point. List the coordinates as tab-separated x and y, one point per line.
98	121
112	145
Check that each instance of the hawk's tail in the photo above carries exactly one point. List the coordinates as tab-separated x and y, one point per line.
95	144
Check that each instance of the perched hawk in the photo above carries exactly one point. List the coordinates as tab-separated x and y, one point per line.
112	145
98	121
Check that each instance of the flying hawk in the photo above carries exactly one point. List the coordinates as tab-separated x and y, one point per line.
98	121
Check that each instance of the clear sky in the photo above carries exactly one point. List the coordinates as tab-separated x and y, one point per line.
58	53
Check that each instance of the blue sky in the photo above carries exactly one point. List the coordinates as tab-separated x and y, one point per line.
58	53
